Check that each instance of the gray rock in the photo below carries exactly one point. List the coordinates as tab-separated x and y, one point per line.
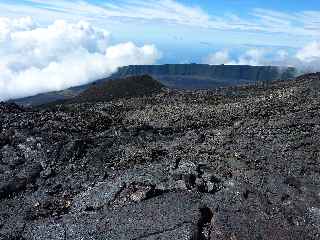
232	163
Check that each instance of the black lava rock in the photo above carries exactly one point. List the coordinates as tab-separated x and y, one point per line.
231	163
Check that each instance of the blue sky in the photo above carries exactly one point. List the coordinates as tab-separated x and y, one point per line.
246	5
187	30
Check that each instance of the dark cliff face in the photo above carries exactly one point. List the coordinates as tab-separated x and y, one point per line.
179	76
206	76
234	163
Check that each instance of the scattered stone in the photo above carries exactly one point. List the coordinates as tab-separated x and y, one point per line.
231	163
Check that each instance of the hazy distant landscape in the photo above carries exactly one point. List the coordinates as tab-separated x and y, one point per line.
179	76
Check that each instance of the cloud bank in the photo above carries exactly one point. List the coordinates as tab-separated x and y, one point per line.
306	59
253	57
301	23
40	59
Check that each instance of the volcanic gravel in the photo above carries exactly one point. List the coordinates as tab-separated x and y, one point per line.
227	164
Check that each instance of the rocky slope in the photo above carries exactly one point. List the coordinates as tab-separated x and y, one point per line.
179	76
136	86
232	163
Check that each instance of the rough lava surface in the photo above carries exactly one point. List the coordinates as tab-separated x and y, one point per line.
228	164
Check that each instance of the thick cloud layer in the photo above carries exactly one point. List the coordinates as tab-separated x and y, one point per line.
250	57
306	59
35	59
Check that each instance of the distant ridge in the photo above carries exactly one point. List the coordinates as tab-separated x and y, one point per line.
178	76
204	76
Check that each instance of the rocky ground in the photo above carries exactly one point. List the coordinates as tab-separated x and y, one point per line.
230	164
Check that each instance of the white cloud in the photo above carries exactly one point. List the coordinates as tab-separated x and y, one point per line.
310	52
254	57
220	57
302	23
282	55
306	59
39	59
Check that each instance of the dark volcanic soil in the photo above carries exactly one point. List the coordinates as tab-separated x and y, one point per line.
136	86
237	163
